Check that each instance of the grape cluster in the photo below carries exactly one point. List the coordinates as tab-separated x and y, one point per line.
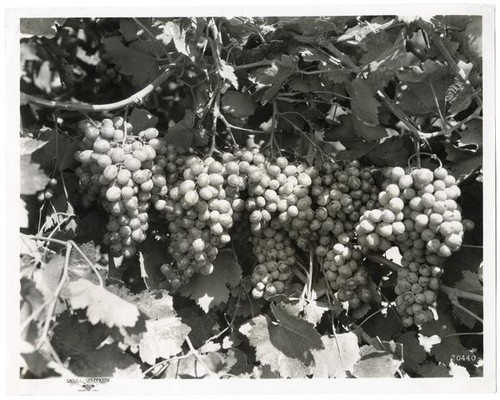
118	169
202	203
418	212
275	255
279	189
342	192
416	288
345	276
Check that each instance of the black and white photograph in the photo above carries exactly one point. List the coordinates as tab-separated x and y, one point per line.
240	198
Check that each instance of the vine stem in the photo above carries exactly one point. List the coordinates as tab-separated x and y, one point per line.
451	292
53	303
136	98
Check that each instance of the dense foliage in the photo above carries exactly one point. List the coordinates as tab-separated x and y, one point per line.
251	197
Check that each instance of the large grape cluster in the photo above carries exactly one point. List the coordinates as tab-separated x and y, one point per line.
342	192
279	189
200	209
416	288
345	276
275	254
117	168
418	213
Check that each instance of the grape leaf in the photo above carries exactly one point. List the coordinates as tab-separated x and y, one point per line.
40	26
418	98
33	179
237	104
364	105
472	135
141	67
384	56
142	119
108	360
202	324
361	30
413	352
339	355
172	31
165	332
182	133
426	71
392	151
276	75
75	337
211	290
470	283
367	132
376	363
226	71
29	145
432	370
386	326
35	361
118	312
59	149
286	346
471	40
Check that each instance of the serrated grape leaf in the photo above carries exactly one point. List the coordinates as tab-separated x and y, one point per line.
40	26
264	372
419	99
470	283
367	132
444	327
141	67
181	134
109	360
237	362
173	31
364	104
33	179
142	119
313	312
471	39
427	70
375	363
392	151
74	337
413	352
462	160
276	75
165	333
29	145
237	104
259	331
211	290
340	354
203	326
226	71
102	305
59	148
472	135
386	326
384	56
432	370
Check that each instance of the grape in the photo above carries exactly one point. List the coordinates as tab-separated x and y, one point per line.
118	174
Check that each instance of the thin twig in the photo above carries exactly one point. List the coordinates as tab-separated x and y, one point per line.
262	63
